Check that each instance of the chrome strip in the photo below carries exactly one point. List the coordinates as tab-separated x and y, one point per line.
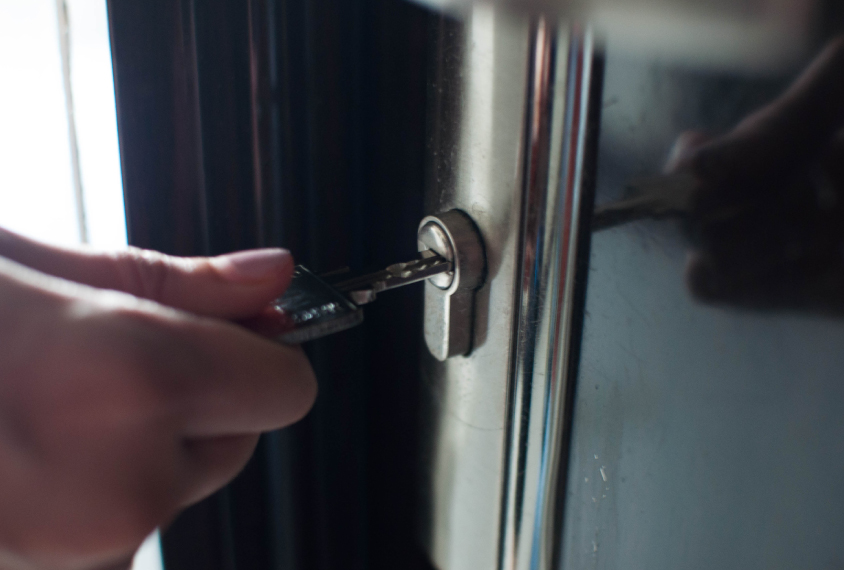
519	479
558	139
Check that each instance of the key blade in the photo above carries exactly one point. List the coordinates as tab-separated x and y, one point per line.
653	197
363	288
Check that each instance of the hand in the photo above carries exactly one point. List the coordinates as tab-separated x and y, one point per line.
770	210
124	396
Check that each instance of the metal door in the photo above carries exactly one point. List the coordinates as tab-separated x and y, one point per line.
606	417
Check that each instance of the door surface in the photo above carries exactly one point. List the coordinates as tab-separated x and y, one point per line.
613	412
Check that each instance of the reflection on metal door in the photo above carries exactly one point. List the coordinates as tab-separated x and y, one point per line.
704	436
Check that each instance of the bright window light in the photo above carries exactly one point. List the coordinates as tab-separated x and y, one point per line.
36	184
38	192
92	83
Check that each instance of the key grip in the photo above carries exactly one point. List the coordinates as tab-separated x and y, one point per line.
308	309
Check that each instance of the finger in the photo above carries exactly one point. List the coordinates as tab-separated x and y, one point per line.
226	380
787	133
684	147
213	462
228	286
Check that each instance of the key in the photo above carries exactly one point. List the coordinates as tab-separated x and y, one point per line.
363	289
655	197
316	306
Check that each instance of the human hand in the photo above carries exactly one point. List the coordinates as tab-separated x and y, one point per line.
124	396
770	206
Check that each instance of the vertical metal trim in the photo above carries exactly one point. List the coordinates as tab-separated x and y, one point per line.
577	162
528	293
558	139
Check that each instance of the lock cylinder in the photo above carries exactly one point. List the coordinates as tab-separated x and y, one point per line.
450	296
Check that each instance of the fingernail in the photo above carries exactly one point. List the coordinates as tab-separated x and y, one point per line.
252	265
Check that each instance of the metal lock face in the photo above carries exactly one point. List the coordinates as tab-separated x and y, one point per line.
450	297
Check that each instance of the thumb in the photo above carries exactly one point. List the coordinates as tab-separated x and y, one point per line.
234	285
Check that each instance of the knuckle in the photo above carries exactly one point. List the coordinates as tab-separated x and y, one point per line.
145	273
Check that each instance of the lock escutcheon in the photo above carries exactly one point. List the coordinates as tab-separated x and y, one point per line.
450	297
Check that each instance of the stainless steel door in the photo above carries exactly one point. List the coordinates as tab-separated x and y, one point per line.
606	417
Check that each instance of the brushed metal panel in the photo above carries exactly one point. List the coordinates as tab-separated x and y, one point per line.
477	143
510	138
